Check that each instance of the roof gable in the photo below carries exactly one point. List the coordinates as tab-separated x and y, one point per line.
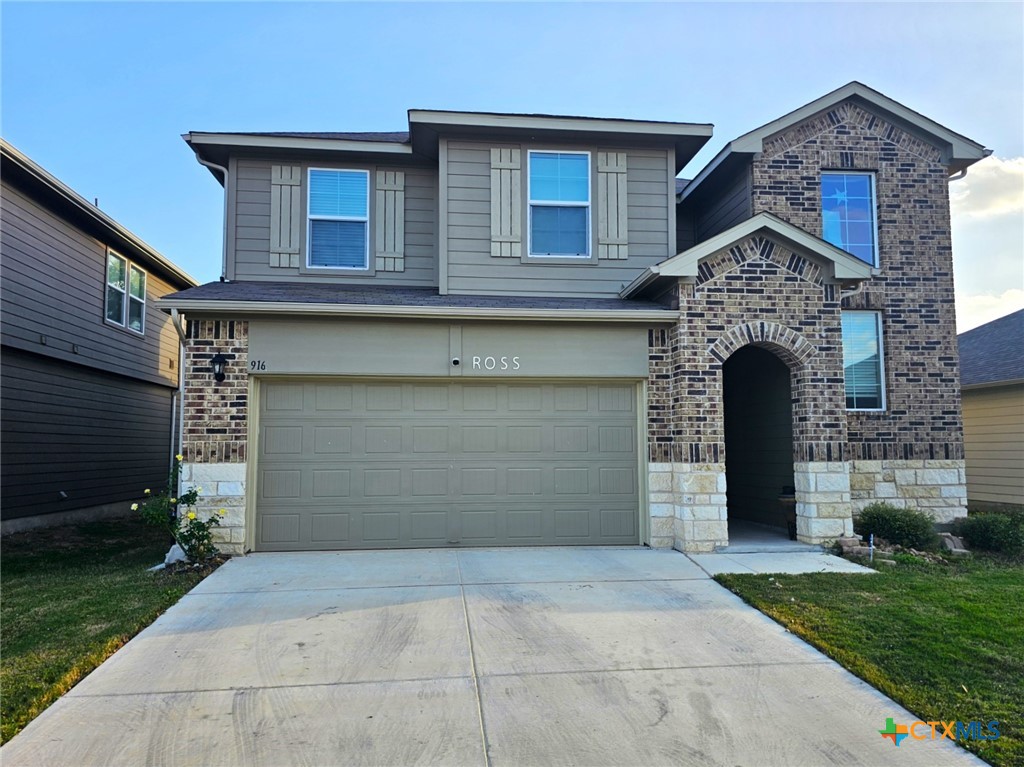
959	147
958	151
838	264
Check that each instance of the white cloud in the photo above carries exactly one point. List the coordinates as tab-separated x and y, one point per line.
992	187
977	309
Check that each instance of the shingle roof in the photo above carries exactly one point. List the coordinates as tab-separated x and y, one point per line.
993	352
392	296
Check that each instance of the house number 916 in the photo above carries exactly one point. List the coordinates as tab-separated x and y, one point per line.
257	364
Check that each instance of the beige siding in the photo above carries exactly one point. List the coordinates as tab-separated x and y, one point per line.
54	288
252	232
472	269
994	444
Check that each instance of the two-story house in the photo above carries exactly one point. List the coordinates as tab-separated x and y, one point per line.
502	329
89	365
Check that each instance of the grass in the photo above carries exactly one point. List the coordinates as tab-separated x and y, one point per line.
71	597
944	639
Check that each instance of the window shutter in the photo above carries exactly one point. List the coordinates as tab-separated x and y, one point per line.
612	213
390	221
285	224
506	203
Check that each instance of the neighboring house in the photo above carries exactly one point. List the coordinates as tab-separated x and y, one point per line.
90	366
503	329
992	387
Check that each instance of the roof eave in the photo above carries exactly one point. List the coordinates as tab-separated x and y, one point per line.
992	384
252	141
505	314
425	127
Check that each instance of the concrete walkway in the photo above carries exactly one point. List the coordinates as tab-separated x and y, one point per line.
477	657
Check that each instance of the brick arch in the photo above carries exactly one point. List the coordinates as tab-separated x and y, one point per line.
790	346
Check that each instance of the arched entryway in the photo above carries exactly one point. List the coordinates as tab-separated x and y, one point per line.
758	410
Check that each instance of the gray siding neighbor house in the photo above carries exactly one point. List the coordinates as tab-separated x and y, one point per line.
90	366
506	329
992	385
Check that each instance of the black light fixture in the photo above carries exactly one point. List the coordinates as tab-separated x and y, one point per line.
218	362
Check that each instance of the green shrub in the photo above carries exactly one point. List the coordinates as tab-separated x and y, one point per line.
164	509
1003	533
902	527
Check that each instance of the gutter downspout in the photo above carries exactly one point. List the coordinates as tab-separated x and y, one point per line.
844	294
224	245
985	153
180	424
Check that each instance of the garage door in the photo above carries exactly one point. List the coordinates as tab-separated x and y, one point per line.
347	465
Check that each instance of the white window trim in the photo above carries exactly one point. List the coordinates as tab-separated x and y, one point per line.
127	297
310	217
874	203
530	202
881	364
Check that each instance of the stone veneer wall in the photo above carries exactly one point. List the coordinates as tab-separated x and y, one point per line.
216	425
938	487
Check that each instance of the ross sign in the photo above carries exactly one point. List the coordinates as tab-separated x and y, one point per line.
494	363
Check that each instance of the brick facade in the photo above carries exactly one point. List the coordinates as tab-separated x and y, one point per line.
914	286
757	292
216	425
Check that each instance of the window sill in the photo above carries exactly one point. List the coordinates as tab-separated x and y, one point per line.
124	329
559	260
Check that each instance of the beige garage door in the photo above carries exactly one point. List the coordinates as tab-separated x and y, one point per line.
348	465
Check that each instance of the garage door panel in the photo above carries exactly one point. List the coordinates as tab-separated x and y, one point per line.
329	528
428	527
370	465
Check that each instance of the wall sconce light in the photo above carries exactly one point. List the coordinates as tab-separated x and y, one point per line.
217	363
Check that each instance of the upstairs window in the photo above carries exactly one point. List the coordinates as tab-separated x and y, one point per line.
862	361
339	205
126	294
848	214
559	195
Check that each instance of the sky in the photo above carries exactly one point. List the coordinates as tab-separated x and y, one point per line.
100	93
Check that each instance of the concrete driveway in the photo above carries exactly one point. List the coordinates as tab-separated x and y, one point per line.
500	657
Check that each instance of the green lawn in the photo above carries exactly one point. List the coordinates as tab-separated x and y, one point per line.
71	597
946	639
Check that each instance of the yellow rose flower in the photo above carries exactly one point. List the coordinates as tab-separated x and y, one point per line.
146	491
135	507
222	512
178	457
191	515
174	500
